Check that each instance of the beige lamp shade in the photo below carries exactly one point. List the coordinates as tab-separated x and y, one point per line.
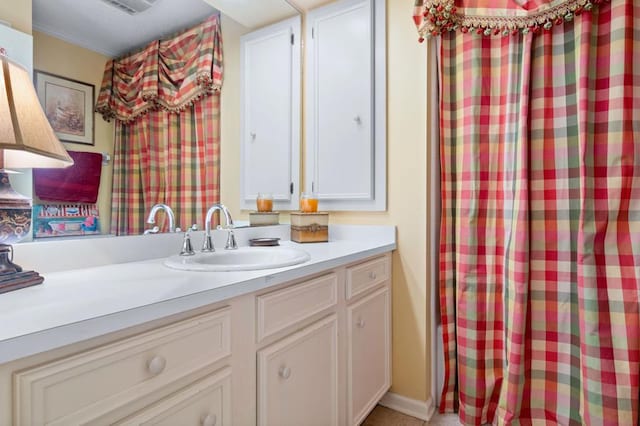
26	137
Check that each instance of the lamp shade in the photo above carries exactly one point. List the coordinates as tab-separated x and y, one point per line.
26	137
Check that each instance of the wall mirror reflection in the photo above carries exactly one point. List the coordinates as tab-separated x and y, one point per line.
166	75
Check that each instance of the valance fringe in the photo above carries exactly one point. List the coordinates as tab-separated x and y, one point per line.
435	17
167	74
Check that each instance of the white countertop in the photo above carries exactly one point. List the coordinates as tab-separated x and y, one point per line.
78	304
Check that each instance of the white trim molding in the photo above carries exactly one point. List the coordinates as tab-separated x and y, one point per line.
412	407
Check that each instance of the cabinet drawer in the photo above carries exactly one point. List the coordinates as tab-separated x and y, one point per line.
284	308
204	403
86	386
367	275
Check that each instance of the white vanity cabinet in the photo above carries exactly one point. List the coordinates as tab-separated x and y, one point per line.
103	385
298	378
270	114
332	370
312	351
345	112
298	374
205	403
368	353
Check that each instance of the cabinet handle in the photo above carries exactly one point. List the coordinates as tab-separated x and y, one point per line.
156	365
360	323
357	119
284	372
208	420
253	135
372	275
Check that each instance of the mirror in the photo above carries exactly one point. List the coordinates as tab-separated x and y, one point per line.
74	39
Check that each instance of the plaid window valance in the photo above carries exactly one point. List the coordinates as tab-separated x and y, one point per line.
495	17
167	74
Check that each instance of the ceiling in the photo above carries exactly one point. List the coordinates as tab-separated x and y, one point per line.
100	27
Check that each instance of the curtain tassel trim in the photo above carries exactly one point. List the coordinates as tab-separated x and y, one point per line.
170	74
435	17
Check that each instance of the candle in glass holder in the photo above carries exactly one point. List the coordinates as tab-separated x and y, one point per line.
264	202
308	202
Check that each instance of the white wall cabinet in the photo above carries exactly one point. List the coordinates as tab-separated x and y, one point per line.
345	109
312	352
270	114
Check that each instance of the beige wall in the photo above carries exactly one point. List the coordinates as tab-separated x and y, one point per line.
230	117
70	61
17	13
406	202
406	188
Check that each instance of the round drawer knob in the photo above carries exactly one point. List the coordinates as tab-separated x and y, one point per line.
360	323
156	365
372	275
209	420
284	372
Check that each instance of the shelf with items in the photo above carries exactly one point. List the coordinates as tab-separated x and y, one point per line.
63	220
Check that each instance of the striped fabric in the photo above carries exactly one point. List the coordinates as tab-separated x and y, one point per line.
540	231
167	158
169	74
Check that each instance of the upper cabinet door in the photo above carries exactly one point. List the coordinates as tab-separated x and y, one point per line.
270	114
345	105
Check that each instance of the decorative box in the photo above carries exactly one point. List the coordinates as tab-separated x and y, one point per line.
309	227
264	218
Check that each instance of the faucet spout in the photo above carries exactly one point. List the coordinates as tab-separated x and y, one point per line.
208	243
168	211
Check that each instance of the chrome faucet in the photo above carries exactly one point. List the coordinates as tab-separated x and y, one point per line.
152	217
207	246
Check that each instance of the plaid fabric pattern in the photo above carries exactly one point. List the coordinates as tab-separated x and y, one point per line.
168	74
496	17
540	231
167	158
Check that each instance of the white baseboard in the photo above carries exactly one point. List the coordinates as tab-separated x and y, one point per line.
411	407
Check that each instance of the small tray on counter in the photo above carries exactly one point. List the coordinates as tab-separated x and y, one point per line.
264	242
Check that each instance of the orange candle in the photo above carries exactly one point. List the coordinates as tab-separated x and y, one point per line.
264	202
308	203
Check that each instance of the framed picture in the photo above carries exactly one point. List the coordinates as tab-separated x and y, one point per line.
68	105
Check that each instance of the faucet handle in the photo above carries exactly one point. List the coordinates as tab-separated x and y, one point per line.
153	230
207	245
231	241
187	248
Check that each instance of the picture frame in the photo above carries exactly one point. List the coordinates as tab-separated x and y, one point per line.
68	104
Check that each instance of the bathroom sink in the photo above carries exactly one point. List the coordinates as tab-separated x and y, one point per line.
242	259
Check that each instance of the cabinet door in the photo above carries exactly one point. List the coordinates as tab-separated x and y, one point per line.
298	378
204	403
369	353
345	159
270	114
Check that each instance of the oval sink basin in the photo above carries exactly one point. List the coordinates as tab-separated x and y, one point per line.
242	259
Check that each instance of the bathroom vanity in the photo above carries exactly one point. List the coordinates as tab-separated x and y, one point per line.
139	343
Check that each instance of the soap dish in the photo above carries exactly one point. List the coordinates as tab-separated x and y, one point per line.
264	242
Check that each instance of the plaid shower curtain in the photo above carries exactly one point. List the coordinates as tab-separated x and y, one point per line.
166	102
167	158
540	230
